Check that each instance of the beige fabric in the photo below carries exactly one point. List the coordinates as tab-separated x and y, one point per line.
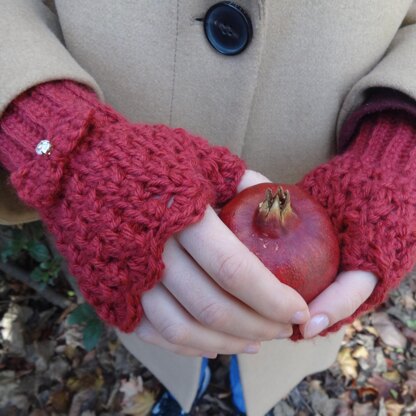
180	374
274	371
266	377
278	104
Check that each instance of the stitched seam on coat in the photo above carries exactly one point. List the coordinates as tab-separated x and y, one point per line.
262	16
174	63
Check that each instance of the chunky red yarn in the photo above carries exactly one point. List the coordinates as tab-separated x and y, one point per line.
110	192
369	193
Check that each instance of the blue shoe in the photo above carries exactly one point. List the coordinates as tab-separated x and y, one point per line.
236	388
167	404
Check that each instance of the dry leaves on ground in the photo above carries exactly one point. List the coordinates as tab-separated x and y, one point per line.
44	370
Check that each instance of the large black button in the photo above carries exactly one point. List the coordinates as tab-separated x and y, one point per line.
228	28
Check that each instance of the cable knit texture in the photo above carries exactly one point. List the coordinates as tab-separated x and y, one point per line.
369	193
110	192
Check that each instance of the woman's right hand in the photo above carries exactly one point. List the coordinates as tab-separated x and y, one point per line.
217	297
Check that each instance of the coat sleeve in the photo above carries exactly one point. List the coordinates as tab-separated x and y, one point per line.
395	70
32	51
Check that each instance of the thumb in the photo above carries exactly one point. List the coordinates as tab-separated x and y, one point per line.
251	178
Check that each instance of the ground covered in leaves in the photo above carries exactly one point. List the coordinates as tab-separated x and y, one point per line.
45	370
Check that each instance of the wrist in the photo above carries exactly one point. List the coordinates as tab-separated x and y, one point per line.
369	193
41	114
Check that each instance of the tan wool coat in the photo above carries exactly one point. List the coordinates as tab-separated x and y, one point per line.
279	105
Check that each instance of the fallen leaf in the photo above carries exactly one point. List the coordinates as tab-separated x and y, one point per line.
393	376
393	408
408	301
72	335
358	326
58	367
315	385
113	345
140	404
409	386
322	404
41	352
350	332
8	386
347	363
367	393
83	402
410	409
131	387
388	332
85	381
382	408
18	364
12	330
20	402
410	334
380	365
342	410
360	352
70	352
364	409
366	340
371	330
282	408
382	385
59	400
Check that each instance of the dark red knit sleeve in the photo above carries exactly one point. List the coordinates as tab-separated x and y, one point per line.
109	191
369	192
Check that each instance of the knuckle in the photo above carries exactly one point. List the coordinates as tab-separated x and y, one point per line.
268	334
230	269
351	303
175	333
184	351
145	335
350	300
214	315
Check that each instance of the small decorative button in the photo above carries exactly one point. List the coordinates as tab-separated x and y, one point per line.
44	147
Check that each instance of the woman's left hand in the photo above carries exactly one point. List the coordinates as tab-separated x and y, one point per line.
338	301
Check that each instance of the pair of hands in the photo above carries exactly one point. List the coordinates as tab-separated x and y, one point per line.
216	297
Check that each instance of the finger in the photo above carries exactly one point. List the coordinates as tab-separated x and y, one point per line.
147	333
339	301
209	304
238	271
177	327
251	178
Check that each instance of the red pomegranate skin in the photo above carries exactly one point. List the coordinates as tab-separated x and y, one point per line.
300	248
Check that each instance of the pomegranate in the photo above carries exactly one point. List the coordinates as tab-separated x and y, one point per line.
289	232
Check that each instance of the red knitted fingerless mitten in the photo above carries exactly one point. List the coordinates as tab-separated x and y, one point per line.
110	192
369	193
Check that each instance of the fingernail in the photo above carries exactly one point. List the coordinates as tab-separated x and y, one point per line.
252	348
209	355
285	333
316	325
300	317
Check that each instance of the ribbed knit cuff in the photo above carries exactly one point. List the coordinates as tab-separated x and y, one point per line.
36	115
378	100
369	193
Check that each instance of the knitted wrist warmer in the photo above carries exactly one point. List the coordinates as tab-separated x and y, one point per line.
110	192
369	193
